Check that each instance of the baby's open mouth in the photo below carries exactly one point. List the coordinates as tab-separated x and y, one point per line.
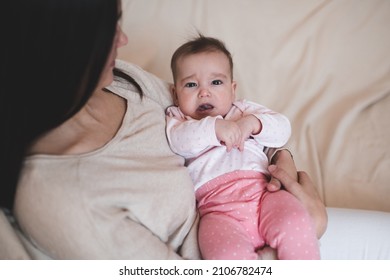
205	107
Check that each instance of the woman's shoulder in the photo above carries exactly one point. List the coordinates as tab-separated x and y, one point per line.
152	87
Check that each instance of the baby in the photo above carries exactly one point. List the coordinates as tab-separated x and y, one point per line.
223	140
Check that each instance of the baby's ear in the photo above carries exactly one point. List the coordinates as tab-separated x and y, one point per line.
172	89
234	86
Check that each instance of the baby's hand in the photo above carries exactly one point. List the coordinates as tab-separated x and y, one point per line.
249	125
228	133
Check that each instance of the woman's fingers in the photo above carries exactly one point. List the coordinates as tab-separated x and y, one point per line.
274	185
287	181
305	191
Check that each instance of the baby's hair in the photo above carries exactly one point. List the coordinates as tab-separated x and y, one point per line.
197	45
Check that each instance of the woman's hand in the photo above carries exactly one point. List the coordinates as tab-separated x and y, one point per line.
304	190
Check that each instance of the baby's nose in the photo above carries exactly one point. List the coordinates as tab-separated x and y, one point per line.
203	92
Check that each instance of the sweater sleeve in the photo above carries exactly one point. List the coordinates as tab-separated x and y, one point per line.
141	243
189	137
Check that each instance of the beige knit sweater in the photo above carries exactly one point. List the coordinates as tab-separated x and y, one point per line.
131	199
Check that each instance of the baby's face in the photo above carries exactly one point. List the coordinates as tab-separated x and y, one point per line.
203	85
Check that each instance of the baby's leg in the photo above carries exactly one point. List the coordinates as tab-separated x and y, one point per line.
224	238
287	227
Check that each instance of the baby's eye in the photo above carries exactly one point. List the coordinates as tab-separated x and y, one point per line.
216	82
190	84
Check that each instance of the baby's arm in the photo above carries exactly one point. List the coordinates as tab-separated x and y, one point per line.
274	131
188	137
275	128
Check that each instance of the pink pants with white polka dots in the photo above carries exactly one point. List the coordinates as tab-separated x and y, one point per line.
239	216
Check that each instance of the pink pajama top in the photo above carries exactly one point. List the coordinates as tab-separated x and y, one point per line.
206	158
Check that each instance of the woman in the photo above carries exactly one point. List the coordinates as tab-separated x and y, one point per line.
88	173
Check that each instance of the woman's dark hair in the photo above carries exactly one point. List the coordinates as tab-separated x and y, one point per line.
51	58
